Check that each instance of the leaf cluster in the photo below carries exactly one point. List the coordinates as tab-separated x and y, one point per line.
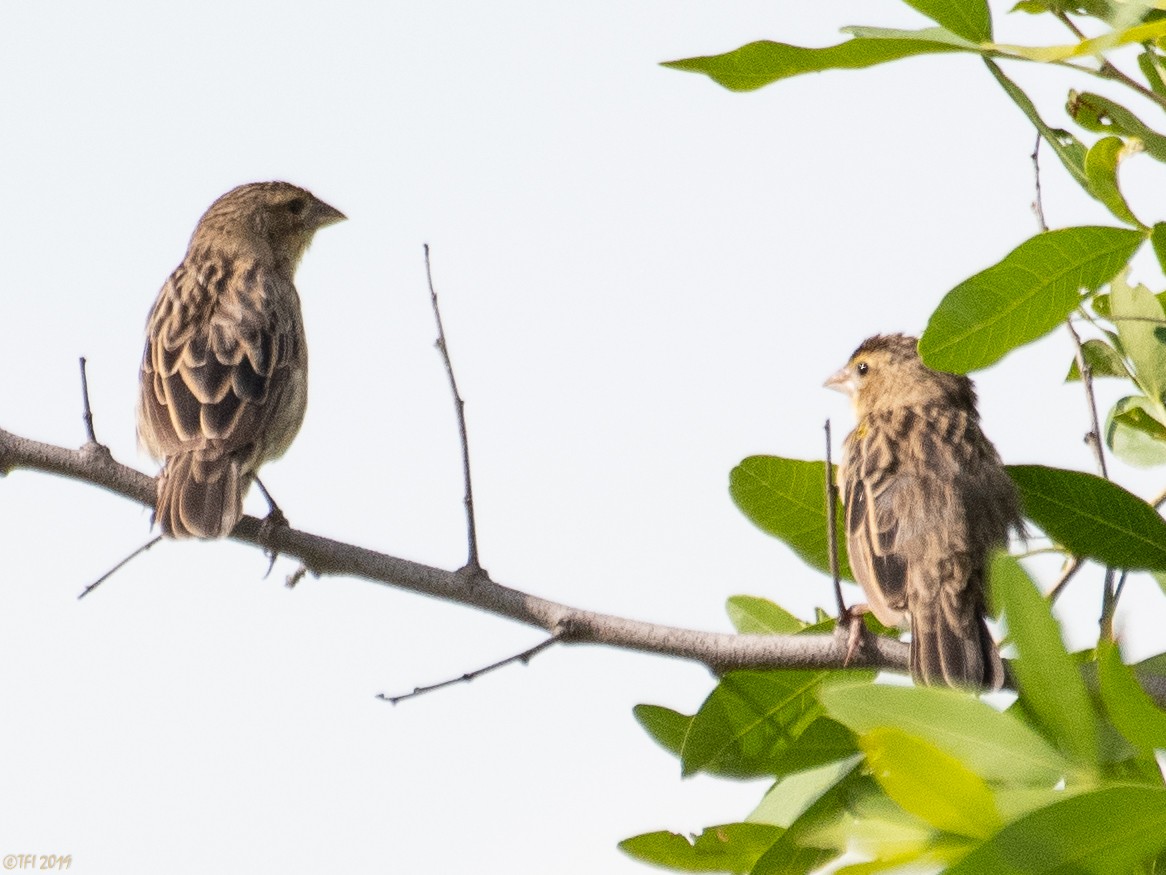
1065	778
912	775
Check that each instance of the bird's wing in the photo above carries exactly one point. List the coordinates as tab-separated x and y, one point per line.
872	529
219	357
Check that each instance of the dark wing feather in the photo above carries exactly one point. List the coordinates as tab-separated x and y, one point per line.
216	369
871	526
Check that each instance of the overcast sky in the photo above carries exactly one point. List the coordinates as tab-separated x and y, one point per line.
644	278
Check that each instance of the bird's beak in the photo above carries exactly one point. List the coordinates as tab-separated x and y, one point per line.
842	381
324	215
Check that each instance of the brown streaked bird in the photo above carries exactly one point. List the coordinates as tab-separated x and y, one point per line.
927	499
224	378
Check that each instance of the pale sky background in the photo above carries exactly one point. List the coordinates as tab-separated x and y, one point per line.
644	277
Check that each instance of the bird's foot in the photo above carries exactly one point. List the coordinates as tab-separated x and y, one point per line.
274	520
851	621
267	528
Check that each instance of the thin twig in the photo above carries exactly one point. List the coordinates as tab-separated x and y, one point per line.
138	552
296	576
87	411
1121	584
1109	71
1108	606
1064	18
524	657
1073	564
472	564
832	526
1108	597
1038	204
1094	436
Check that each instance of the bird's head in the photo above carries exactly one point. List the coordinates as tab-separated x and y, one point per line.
275	218
886	372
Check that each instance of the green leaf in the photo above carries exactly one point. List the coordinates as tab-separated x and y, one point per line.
821	797
668	728
749	720
1067	147
931	784
1132	711
1092	517
1151	672
1103	361
1099	9
1149	62
1141	324
927	34
1135	434
1024	297
1049	681
1014	802
793	795
1121	35
787	857
1158	241
967	18
1152	666
997	747
1139	417
1101	169
761	63
786	498
732	847
1107	830
1100	114
751	615
1096	8
824	741
878	829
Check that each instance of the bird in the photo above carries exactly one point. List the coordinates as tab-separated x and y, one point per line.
927	500
223	384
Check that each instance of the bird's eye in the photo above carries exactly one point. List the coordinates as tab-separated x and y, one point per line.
862	368
296	206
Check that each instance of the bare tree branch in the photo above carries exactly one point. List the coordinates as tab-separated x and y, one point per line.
720	651
86	410
120	565
472	563
1072	565
1093	438
525	657
1038	206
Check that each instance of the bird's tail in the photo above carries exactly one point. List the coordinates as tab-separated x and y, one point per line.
199	496
951	644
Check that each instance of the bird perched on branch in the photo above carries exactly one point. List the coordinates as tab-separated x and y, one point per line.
224	378
927	499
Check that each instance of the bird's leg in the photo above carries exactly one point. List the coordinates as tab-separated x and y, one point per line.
851	620
274	516
274	519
